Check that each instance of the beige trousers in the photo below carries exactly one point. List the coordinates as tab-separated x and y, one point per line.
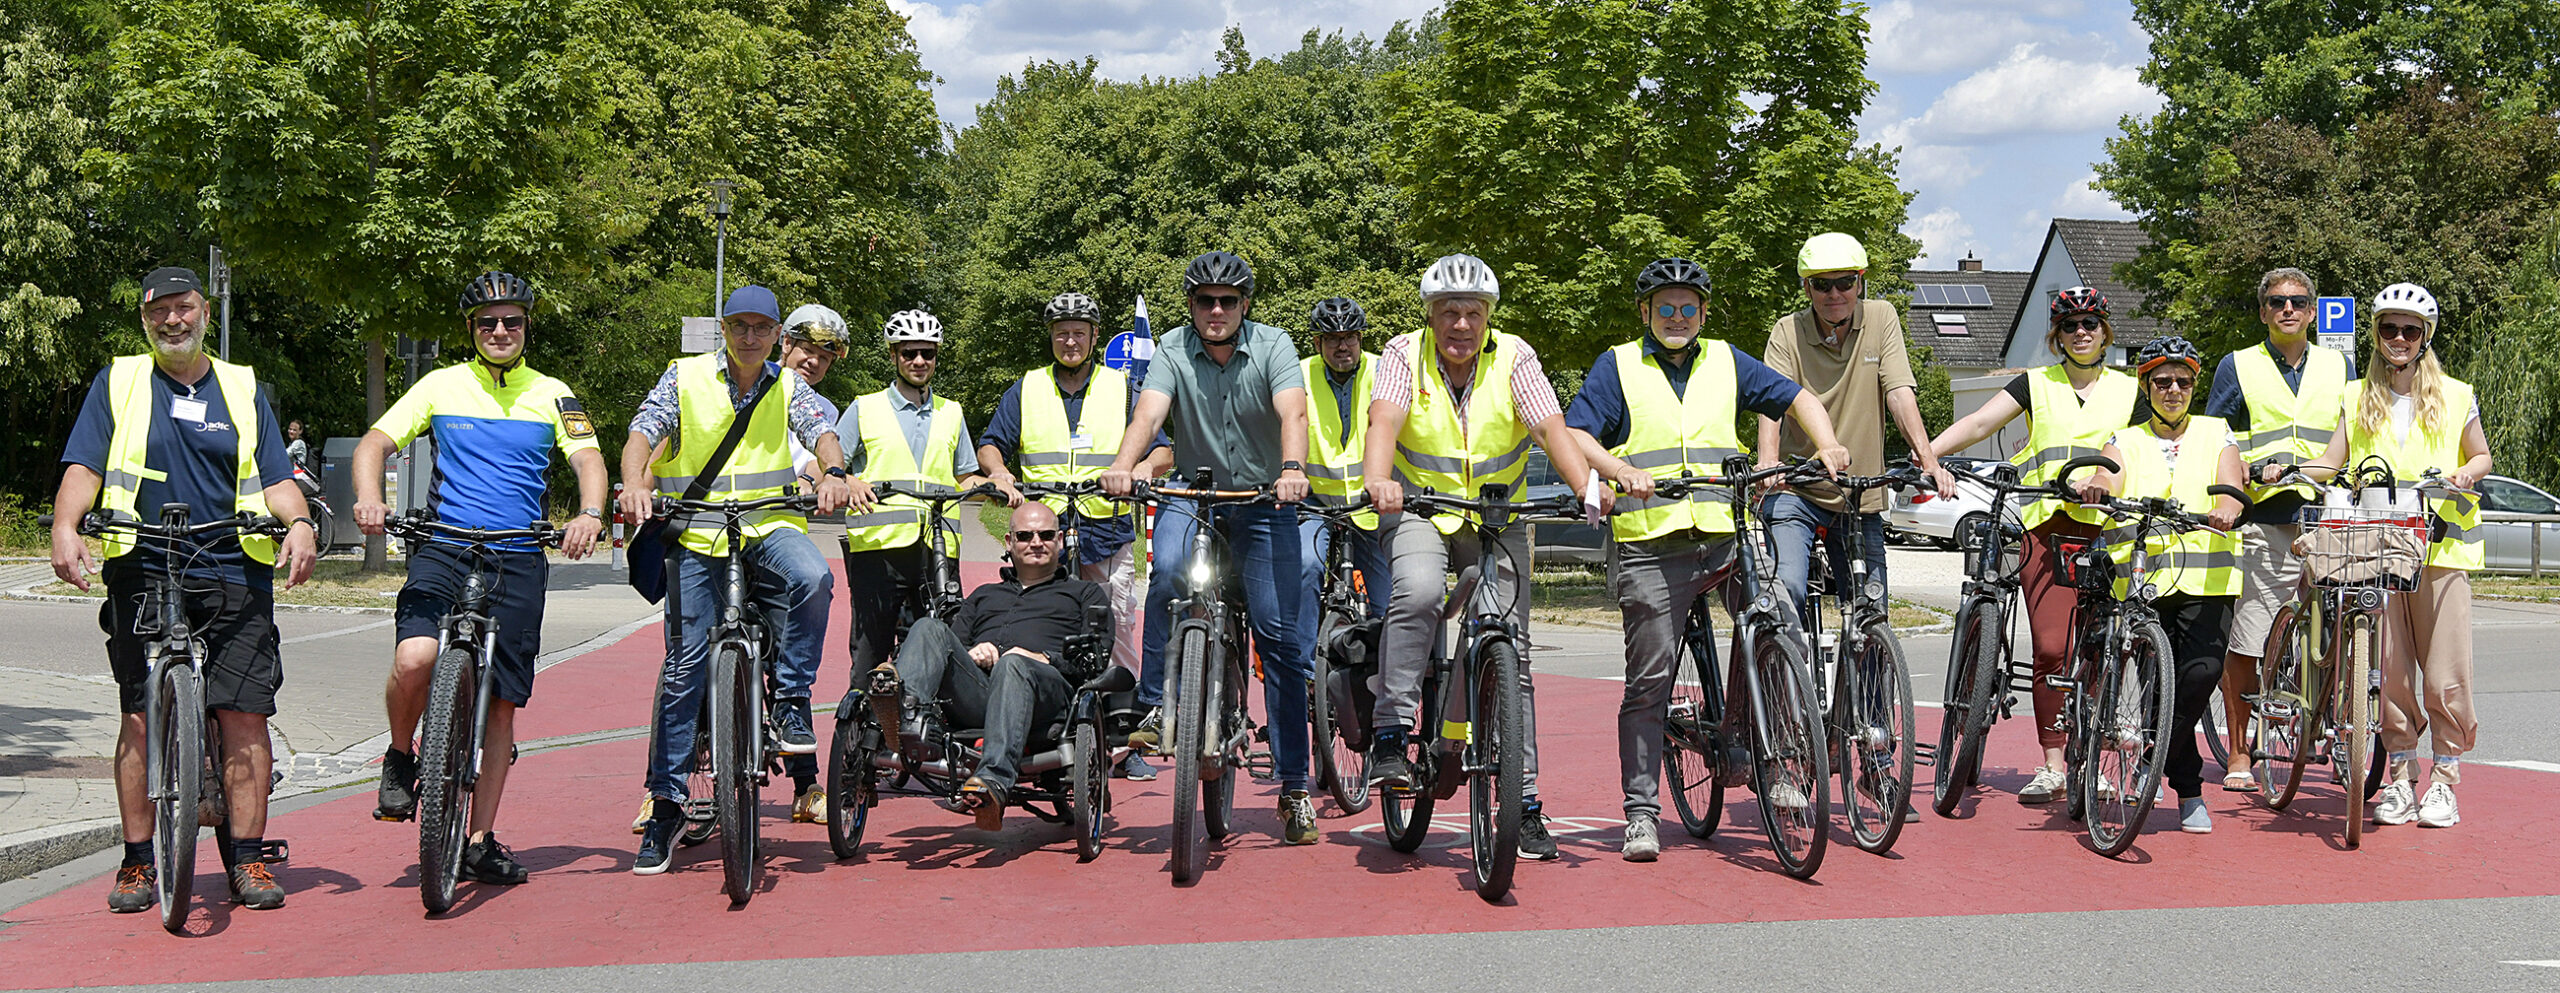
2426	674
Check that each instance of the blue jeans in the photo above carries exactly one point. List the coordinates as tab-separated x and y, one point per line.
1265	550
786	574
1792	520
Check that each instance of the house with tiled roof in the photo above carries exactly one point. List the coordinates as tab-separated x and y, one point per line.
1964	315
2075	253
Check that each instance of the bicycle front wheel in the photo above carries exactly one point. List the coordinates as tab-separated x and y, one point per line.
1794	767
1344	768
1692	744
852	785
444	758
1977	674
1225	723
178	742
733	772
2355	684
2127	738
1497	769
1190	697
1875	782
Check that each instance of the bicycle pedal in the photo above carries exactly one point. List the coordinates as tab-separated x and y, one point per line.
275	851
1924	753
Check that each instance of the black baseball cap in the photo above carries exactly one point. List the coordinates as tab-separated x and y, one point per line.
169	281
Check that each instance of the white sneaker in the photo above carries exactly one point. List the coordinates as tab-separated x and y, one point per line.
2438	809
1785	796
2398	802
2047	784
1643	843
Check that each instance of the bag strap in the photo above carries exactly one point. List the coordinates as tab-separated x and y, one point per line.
729	443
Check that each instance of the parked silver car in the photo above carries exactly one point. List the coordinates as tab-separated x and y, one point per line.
2511	542
1923	515
1577	543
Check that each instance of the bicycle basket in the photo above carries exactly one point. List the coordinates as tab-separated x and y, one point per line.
2081	564
2357	547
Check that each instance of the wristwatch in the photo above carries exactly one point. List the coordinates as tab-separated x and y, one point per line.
314	525
837	471
594	512
1292	465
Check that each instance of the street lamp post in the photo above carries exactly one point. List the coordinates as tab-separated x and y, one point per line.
218	272
720	241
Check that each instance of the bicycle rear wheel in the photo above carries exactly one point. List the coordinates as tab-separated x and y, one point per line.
1191	696
733	775
178	742
1875	782
2127	743
852	785
2355	683
1692	740
1344	769
1793	774
1497	770
2286	717
1088	781
444	757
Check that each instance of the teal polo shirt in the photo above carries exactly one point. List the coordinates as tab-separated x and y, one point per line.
1223	416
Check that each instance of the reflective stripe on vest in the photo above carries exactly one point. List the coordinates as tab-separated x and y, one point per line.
2462	546
899	521
759	467
2285	425
2197	563
1333	468
1049	451
129	448
1677	434
2061	428
1491	447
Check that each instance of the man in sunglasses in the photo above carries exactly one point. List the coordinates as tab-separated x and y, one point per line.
495	422
2282	399
994	665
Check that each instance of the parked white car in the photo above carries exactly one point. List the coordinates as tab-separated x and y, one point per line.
1924	515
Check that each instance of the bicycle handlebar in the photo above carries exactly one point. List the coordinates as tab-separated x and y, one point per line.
667	505
910	491
1150	493
1426	500
419	525
98	522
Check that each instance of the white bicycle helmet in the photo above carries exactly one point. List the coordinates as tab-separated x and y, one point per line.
1460	276
913	325
2407	298
818	325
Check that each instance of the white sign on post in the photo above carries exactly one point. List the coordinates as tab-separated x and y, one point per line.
701	334
2338	323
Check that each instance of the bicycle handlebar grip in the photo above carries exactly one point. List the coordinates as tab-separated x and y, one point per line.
2234	492
2086	462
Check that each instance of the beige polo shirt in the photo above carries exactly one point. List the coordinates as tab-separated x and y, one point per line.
1851	376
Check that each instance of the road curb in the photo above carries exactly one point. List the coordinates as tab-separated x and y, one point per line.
25	853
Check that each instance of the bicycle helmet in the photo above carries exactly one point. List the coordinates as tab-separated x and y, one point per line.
2407	298
1831	251
1661	274
2079	300
913	325
495	287
1218	269
1072	306
2161	351
818	325
1338	315
1460	276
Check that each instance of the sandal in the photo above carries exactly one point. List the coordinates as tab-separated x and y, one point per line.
2240	781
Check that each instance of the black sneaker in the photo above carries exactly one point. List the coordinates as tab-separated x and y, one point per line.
398	798
137	887
1387	765
487	861
791	723
657	846
1535	843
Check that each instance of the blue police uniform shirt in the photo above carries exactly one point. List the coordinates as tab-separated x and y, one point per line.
203	463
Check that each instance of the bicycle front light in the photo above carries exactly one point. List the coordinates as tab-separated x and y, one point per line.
1200	573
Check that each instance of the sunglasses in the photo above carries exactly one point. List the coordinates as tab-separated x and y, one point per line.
2296	301
1683	310
918	354
1833	284
487	324
1227	301
1027	537
2081	324
2167	383
2400	332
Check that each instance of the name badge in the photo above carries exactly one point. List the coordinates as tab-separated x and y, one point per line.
1079	442
188	409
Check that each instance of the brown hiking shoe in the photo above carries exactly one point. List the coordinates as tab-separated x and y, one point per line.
253	885
137	888
983	801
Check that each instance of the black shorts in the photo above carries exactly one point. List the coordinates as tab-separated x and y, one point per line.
244	666
516	582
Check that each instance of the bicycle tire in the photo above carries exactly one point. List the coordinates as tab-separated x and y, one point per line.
1088	782
2356	684
1882	752
1797	755
179	740
1190	850
1343	768
2217	737
1692	734
2126	743
2285	714
444	757
1405	813
852	785
733	684
1497	770
1225	722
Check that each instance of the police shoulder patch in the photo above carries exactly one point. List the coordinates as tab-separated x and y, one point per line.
573	419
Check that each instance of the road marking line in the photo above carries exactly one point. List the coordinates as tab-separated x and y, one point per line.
2525	764
2544	963
299	639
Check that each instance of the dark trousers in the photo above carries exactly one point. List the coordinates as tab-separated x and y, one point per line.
1008	703
878	583
2195	625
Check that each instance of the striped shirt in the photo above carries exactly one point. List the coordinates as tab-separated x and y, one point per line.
1531	394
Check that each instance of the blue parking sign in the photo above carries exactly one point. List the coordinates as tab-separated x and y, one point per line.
2337	316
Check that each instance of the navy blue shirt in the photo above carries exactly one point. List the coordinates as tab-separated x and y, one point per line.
1097	538
1600	409
2228	402
203	463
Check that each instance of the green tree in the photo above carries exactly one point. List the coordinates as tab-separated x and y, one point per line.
1570	143
2517	369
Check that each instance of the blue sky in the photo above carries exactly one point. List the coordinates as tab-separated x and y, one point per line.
1999	106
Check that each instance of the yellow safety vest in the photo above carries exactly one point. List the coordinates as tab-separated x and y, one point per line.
2061	428
759	467
1677	434
2197	563
2462	547
899	521
1052	451
129	445
1333	469
1434	451
2287	426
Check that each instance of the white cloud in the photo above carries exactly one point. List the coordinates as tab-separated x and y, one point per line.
1948	35
1944	237
2080	199
2029	92
1927	166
